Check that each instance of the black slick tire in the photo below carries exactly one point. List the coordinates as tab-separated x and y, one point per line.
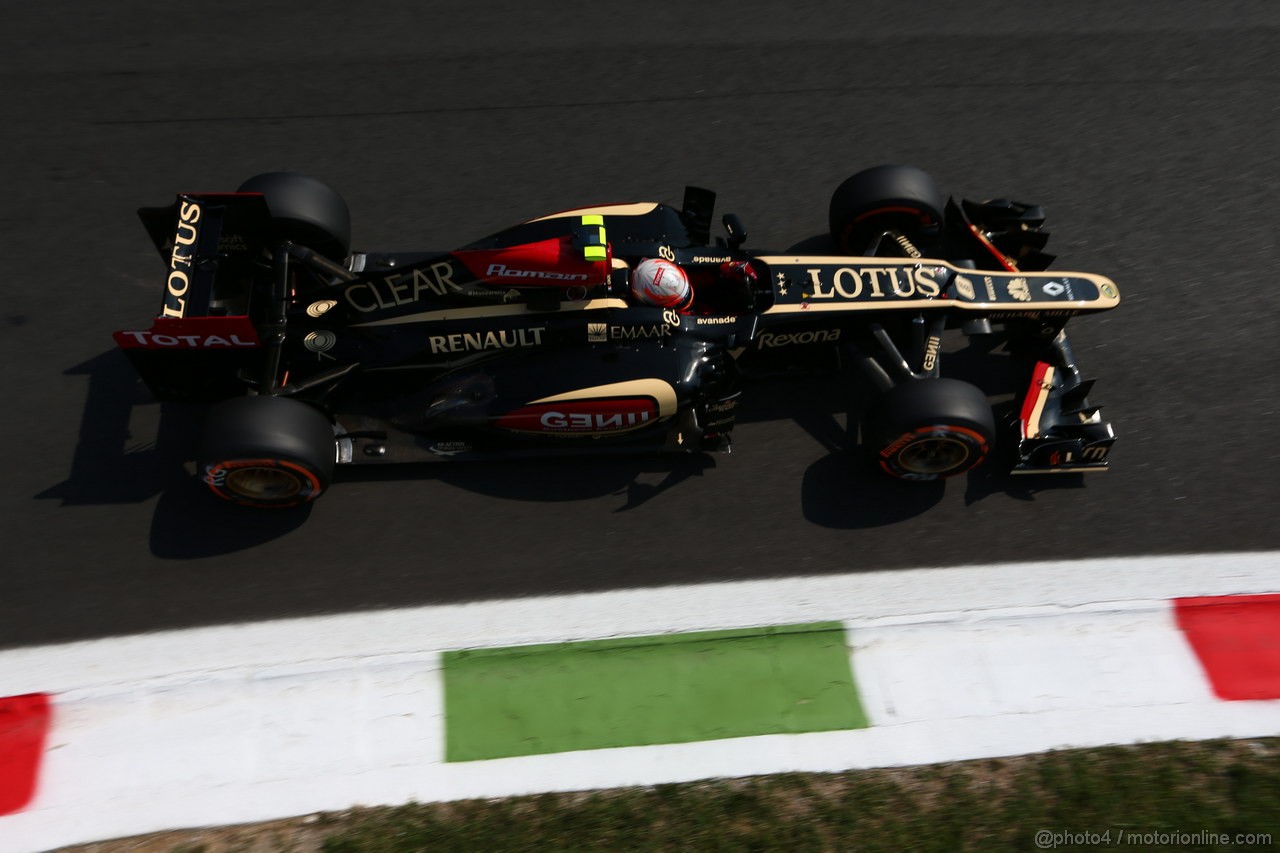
305	211
266	452
883	198
929	429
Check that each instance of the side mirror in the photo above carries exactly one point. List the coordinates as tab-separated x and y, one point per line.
696	213
736	230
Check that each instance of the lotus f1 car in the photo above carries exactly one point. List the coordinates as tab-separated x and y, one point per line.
528	343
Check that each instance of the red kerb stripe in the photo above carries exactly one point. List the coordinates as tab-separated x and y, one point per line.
1237	639
24	724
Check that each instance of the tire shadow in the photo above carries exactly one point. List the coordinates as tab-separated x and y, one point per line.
190	522
109	466
845	490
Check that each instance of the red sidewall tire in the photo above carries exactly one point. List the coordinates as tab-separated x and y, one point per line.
901	198
303	484
930	429
267	452
952	449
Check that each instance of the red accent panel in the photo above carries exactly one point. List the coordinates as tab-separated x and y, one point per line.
1237	639
1033	393
546	263
210	333
24	725
577	417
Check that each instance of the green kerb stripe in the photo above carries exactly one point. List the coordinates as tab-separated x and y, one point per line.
671	688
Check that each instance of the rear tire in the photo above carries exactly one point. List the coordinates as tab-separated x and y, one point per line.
884	198
305	211
267	452
930	429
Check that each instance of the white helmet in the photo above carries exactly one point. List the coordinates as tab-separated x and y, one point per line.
661	283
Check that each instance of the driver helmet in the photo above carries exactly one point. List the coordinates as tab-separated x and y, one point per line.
662	284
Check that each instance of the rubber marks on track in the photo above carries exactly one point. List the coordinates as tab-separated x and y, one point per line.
1237	639
669	688
24	725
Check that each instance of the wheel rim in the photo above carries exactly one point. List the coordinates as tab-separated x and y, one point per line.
934	455
263	484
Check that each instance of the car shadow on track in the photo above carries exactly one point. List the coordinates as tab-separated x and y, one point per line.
845	489
109	466
840	490
550	480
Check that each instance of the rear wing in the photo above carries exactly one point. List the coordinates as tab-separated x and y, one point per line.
215	248
202	238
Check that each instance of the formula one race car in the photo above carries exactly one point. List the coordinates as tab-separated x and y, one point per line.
530	342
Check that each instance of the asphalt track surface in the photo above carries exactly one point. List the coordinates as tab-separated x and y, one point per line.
1149	131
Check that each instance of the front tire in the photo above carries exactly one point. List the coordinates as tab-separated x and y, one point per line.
885	198
267	452
930	429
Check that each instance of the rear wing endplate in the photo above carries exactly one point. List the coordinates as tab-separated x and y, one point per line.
196	236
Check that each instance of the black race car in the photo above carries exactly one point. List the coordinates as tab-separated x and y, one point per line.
529	343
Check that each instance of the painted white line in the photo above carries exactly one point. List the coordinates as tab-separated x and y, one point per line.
230	749
1038	662
894	596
